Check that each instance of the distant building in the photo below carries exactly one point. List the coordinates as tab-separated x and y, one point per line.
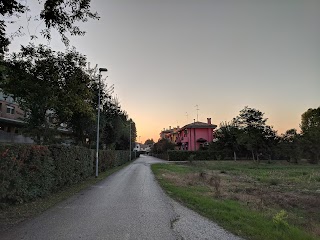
166	133
194	135
142	147
191	136
11	121
11	115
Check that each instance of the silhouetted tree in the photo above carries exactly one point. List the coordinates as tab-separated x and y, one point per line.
61	15
310	132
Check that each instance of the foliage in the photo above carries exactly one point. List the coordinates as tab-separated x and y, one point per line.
116	126
280	219
55	88
162	146
109	158
61	15
256	136
25	172
72	164
290	145
149	142
175	155
227	136
310	131
31	171
248	134
50	86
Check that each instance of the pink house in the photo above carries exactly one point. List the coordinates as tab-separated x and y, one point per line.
193	135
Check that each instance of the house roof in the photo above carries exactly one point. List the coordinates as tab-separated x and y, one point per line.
167	131
199	125
12	121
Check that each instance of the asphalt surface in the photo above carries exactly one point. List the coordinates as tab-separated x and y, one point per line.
127	205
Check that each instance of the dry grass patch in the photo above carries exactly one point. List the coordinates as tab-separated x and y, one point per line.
268	191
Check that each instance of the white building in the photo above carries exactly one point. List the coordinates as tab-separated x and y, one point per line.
142	147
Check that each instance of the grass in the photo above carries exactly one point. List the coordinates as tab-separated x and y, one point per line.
12	215
256	201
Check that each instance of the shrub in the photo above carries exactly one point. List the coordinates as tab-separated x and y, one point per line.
25	172
30	171
72	164
163	156
198	155
280	220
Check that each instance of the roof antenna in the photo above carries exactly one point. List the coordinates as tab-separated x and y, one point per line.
197	108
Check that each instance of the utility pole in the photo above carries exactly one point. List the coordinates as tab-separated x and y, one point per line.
130	142
98	122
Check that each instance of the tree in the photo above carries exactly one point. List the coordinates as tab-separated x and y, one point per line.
149	141
255	134
227	136
56	14
163	145
289	144
51	87
7	9
115	125
310	132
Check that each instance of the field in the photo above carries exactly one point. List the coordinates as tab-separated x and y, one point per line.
257	201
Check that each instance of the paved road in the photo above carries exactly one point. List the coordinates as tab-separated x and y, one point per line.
127	205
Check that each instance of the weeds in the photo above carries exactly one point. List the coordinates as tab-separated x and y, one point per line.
296	193
280	220
191	158
215	181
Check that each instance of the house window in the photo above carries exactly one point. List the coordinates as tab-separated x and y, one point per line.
10	110
185	132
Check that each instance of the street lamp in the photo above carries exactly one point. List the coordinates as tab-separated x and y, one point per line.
130	140
97	152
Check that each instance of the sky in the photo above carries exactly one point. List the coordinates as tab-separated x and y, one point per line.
165	57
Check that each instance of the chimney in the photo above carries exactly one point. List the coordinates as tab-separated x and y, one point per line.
209	120
169	127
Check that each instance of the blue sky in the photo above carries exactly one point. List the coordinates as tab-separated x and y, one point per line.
164	57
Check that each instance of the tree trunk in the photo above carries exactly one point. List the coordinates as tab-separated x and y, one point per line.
234	156
252	155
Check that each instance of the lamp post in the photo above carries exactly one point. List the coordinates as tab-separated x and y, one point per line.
97	152
130	142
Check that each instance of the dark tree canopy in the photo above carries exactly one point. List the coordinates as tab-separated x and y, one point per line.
52	87
149	142
310	130
61	15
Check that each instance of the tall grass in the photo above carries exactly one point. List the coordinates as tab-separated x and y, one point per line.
232	215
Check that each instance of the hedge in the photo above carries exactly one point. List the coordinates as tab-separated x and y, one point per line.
163	156
175	155
31	171
72	164
25	172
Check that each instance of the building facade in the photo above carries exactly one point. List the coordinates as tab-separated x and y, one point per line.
11	115
191	136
